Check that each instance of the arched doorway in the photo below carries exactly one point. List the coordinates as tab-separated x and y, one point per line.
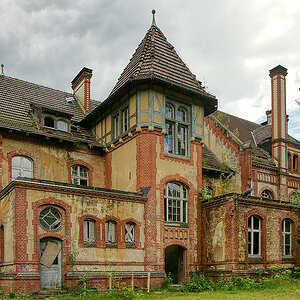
50	263
175	262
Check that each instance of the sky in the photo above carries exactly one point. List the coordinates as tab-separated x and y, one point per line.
229	45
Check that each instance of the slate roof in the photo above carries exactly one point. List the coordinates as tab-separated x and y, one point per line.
211	162
156	59
17	97
155	56
246	131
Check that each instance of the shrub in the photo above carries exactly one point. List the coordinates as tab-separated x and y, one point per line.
296	273
241	283
197	283
167	281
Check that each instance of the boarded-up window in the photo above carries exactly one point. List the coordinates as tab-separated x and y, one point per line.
50	254
110	232
89	232
130	237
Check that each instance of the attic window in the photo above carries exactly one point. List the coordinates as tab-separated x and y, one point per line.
62	125
49	122
55	123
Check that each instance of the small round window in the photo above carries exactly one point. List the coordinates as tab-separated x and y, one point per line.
50	218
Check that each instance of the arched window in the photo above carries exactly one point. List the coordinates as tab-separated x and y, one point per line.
80	175
130	235
62	125
169	112
295	163
175	202
50	218
286	237
89	232
266	194
254	236
49	122
176	130
181	114
21	166
110	233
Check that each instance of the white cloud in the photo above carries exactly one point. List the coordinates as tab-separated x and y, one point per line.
231	45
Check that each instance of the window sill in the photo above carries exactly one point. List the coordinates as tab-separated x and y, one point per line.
255	258
176	224
130	245
108	245
90	244
288	258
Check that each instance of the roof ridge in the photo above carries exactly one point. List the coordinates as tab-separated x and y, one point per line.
260	126
36	84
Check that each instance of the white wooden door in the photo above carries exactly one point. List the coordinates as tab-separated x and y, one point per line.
51	277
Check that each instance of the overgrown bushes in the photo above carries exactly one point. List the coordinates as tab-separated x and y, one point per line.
277	278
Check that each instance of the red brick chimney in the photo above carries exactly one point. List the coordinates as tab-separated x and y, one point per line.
81	87
279	117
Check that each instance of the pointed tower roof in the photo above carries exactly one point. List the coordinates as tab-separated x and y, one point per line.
155	57
155	60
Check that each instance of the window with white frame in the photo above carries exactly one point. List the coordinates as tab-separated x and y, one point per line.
110	232
176	129
80	175
286	238
21	166
116	125
175	202
89	232
125	120
266	194
62	125
130	234
254	236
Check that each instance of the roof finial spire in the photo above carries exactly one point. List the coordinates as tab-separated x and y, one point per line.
153	18
2	67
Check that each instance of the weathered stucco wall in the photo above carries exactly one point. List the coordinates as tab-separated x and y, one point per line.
98	207
51	162
123	167
7	217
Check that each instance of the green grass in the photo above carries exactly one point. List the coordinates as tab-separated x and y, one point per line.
278	289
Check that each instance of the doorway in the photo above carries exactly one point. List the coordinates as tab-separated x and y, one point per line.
175	263
50	266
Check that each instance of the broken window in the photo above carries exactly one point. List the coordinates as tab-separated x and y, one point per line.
175	202
176	129
286	238
50	218
130	237
89	232
254	236
80	175
266	194
116	129
49	122
21	166
125	120
110	233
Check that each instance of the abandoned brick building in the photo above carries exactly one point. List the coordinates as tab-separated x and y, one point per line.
149	180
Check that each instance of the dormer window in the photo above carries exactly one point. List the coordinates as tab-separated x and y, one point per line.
55	123
62	125
49	122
